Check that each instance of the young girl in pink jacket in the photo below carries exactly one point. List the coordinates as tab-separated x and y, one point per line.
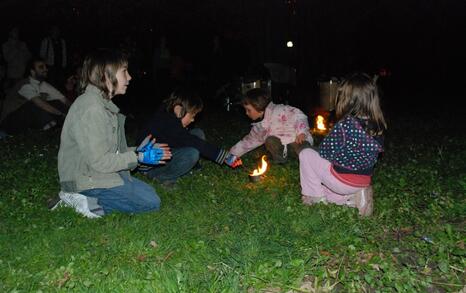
283	129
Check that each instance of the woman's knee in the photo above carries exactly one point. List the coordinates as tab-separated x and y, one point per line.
153	204
145	195
148	201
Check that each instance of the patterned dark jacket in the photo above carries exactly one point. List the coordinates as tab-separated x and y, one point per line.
350	148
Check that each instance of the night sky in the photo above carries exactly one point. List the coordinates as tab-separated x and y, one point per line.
420	42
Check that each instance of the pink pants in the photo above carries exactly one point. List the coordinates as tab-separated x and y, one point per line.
316	179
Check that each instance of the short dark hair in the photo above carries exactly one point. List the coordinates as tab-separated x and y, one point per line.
258	98
31	64
188	98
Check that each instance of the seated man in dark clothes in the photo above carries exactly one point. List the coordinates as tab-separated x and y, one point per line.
33	103
169	125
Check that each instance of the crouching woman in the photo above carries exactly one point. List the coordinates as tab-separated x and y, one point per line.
94	160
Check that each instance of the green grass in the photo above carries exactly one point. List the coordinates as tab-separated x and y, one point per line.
216	232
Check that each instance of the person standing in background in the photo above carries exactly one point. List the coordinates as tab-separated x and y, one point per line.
53	51
16	55
161	61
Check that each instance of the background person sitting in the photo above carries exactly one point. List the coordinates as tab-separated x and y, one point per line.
33	103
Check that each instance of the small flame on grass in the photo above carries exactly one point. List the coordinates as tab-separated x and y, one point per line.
260	170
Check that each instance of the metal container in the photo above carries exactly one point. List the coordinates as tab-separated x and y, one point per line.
255	178
328	92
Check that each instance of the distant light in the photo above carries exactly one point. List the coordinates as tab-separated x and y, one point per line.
289	44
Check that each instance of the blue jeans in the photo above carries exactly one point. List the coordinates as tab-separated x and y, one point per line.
134	196
183	160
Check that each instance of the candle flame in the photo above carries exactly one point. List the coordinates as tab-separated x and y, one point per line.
260	170
320	121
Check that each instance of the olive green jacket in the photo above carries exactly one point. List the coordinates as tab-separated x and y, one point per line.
93	151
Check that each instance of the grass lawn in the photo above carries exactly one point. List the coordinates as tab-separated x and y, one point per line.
216	232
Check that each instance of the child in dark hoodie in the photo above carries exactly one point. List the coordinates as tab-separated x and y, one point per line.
170	125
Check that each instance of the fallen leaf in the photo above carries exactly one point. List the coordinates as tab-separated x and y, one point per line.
62	281
406	230
365	257
325	252
460	244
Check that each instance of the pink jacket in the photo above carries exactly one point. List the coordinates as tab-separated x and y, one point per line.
282	121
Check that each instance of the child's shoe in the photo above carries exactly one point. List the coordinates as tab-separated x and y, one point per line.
80	203
312	200
363	200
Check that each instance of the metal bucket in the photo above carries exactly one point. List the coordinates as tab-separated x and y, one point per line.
328	92
254	84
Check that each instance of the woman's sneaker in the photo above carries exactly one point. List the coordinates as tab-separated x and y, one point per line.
80	204
363	200
312	200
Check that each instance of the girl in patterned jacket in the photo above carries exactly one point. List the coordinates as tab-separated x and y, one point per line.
340	171
279	127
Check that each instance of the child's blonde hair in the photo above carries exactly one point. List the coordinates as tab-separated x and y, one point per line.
100	66
358	96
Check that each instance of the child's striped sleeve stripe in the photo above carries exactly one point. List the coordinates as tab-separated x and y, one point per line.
221	156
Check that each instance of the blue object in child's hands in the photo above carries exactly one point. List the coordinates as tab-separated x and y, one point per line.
150	156
149	152
146	143
233	161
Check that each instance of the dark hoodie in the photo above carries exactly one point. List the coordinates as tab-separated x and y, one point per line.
167	128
